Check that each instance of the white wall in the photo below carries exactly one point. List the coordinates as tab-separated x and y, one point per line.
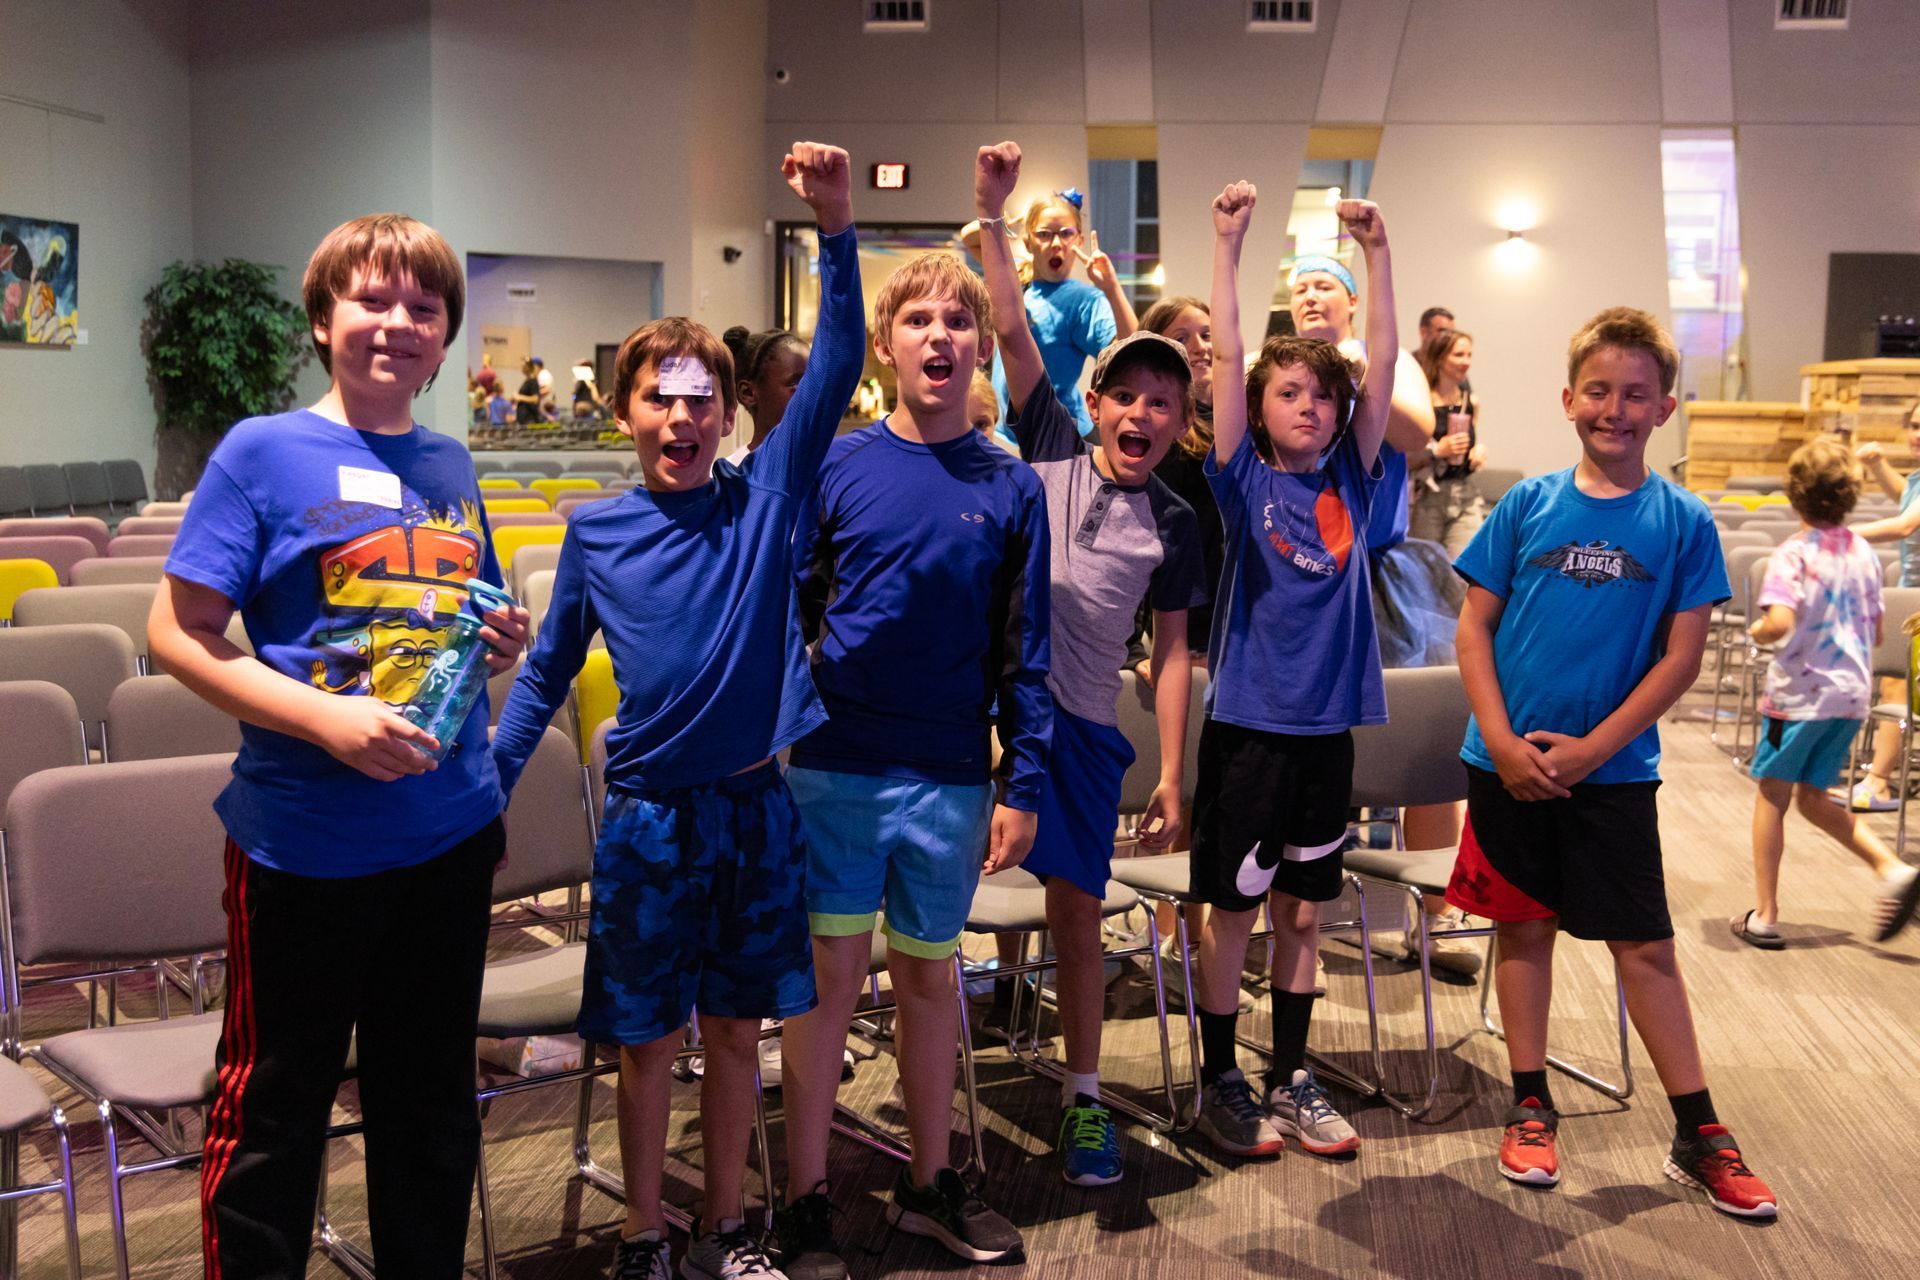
729	195
1600	242
125	183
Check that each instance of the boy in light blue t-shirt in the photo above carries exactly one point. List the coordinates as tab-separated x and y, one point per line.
1586	616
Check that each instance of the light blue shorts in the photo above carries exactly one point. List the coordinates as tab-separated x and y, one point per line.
915	848
1809	751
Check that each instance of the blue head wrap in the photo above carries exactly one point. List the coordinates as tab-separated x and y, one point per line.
1315	262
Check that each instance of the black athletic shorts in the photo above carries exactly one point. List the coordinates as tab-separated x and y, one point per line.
1269	812
1592	859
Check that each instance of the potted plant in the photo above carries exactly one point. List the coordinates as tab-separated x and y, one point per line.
222	344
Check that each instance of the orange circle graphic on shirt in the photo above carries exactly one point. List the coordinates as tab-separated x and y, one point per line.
1336	527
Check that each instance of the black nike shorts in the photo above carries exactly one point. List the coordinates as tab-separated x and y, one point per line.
1269	812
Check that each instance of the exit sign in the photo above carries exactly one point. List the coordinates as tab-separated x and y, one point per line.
890	177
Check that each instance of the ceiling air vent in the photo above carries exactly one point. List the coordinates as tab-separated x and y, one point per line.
895	15
1281	15
1810	15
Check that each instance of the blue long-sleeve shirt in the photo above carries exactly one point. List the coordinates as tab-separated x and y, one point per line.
694	591
924	571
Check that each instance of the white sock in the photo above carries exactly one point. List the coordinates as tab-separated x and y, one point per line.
638	1236
1076	1084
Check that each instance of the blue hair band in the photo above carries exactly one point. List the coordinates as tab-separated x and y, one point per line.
1315	262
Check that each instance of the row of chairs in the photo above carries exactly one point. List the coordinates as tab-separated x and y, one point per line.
75	488
613	461
519	484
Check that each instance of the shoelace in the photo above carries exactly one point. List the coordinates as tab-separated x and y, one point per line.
1532	1133
637	1259
807	1222
745	1253
1311	1100
1729	1162
1092	1128
1237	1097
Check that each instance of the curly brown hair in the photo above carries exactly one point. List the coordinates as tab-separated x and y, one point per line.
1333	371
1823	482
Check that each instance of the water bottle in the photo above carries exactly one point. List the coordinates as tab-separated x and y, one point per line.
448	691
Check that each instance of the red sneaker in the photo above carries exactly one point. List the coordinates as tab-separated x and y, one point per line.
1527	1151
1711	1162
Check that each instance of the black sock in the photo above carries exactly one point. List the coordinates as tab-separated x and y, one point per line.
1532	1084
1217	1051
1292	1011
1690	1111
1002	994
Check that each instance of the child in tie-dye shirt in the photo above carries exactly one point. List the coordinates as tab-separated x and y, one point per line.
1821	604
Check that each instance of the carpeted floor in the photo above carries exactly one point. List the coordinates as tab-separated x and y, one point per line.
1811	1054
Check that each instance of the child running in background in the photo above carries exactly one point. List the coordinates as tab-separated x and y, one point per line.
1295	467
1118	535
1071	321
1821	604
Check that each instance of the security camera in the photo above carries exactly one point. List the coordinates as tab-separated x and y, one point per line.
730	253
781	75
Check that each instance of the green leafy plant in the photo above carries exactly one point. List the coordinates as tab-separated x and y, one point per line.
222	344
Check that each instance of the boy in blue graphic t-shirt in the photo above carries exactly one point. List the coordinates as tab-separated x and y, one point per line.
1295	467
697	875
1586	616
344	534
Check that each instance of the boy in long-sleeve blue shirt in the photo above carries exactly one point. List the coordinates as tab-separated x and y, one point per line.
697	877
926	569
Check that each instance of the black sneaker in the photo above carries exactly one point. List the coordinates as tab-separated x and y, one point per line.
953	1213
803	1233
643	1259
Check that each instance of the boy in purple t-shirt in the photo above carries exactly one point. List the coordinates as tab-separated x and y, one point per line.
1821	603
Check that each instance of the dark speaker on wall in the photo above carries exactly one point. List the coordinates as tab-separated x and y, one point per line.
1865	291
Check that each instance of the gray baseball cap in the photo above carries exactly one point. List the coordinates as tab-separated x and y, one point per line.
1142	346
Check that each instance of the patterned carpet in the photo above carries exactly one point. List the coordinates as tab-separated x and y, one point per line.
1797	1044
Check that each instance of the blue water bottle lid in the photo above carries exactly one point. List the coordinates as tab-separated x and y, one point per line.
484	596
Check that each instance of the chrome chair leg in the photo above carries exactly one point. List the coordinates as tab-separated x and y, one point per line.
1618	1092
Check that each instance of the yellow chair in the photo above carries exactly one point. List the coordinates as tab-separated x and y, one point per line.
1771	500
509	486
595	698
552	489
510	539
17	577
526	502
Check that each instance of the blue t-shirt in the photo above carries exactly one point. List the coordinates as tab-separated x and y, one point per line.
347	553
694	591
1387	523
1293	643
1587	582
1071	322
924	574
1910	546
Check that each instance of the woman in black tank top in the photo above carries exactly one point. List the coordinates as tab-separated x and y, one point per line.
1447	507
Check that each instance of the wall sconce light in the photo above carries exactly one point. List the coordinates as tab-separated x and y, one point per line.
1515	233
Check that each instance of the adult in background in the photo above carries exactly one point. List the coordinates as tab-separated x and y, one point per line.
1446	507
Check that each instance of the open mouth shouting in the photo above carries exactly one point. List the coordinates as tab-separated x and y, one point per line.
939	371
1057	261
680	453
1133	444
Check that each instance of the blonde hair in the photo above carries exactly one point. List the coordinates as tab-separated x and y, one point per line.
1626	329
982	387
1823	482
936	274
393	245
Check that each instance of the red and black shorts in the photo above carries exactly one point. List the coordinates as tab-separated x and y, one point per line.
1591	859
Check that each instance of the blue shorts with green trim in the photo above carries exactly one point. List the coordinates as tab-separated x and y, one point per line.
1809	751
913	847
698	902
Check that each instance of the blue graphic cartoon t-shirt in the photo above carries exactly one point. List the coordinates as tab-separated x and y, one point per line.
1587	582
1293	646
347	553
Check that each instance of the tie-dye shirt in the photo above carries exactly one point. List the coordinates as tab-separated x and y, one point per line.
1830	578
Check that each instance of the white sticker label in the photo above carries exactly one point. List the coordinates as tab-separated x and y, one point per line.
685	376
381	488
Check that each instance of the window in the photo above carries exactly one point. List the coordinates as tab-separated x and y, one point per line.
1281	15
1705	286
1810	15
895	15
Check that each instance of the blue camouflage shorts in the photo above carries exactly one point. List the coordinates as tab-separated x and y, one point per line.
698	902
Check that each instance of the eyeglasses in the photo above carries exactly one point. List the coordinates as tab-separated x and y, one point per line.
1061	235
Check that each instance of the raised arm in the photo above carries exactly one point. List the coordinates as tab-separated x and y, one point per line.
1100	271
1411	420
1232	213
1362	220
1893	528
1874	458
996	171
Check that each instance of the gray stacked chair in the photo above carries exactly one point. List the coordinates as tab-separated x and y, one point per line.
43	732
47	489
545	468
1493	482
536	591
1892	660
507	519
522	474
157	718
87	659
23	1103
92	528
126	485
161	526
105	571
88	491
164	509
117	863
487	466
123	604
532	559
1730	539
141	545
1730	631
1415	761
1753	671
15	498
62	551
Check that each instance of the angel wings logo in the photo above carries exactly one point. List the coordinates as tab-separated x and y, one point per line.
1593	564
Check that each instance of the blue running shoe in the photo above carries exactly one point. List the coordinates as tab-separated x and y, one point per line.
1090	1143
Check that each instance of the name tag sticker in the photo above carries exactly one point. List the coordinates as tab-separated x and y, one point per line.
685	376
380	488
